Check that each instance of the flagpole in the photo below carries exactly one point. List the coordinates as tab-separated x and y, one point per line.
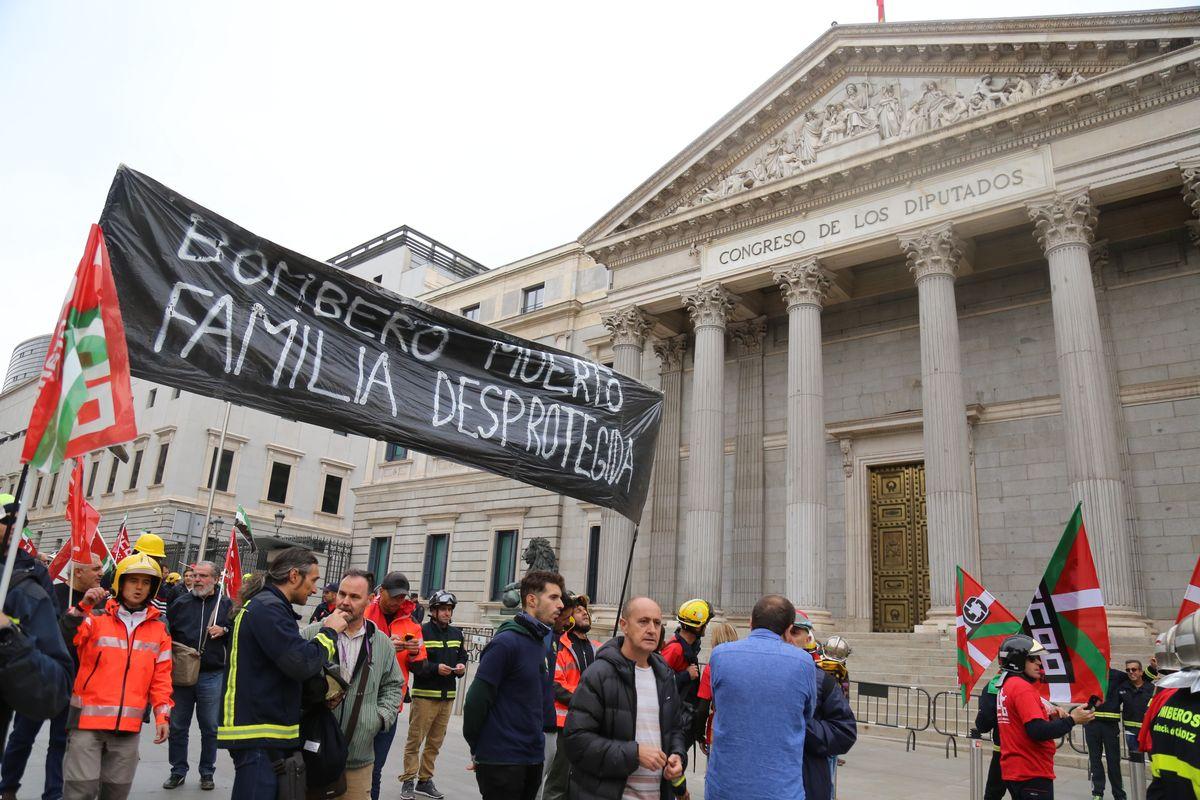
14	543
212	488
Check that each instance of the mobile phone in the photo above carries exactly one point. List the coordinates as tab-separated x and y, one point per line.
1092	702
408	637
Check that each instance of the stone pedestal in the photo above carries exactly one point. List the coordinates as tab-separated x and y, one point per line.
629	328
934	257
805	286
709	306
1064	227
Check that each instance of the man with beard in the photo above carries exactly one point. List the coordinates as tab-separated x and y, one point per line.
506	706
372	698
576	653
200	621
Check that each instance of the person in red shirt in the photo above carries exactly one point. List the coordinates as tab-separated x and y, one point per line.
391	611
1028	724
682	654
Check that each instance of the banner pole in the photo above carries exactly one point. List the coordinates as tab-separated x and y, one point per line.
212	489
625	583
14	533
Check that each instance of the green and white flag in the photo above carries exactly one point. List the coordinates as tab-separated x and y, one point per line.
242	524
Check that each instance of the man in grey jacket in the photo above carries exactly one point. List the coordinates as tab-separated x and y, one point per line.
368	663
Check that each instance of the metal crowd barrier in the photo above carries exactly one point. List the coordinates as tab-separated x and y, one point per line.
952	719
891	706
476	638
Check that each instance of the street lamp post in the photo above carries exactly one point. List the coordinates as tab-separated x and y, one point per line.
279	517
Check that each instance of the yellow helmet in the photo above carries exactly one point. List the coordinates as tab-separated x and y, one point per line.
695	613
139	564
151	544
173	577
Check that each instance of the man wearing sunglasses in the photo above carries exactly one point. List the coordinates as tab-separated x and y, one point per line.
1136	694
1028	724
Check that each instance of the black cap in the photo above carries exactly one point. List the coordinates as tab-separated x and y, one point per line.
394	583
331	587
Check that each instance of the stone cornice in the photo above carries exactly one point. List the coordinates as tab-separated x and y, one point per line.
1120	92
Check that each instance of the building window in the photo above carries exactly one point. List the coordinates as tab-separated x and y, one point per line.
331	495
593	562
151	397
37	490
504	562
377	557
160	466
53	486
92	473
222	473
112	475
137	468
433	575
471	312
395	452
532	298
277	488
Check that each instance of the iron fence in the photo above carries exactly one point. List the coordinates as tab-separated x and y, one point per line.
952	719
891	706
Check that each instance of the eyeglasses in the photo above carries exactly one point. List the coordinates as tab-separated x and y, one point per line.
1132	670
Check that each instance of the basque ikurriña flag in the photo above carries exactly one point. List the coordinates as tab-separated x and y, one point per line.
1067	616
84	401
982	623
1191	595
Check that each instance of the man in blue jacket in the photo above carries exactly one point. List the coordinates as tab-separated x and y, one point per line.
200	620
764	690
268	661
35	668
832	731
505	712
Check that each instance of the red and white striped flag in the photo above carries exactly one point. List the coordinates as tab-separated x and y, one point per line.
1191	595
121	547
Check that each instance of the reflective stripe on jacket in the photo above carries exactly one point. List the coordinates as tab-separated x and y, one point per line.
121	672
401	626
442	646
567	674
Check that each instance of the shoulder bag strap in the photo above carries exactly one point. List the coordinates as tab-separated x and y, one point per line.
364	670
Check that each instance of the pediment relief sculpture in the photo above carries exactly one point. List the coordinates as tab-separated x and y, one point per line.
864	113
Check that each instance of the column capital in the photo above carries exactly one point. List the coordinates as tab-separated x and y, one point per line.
803	283
670	353
1190	172
628	326
1067	218
709	305
933	251
748	336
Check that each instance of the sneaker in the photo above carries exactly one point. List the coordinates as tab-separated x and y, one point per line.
173	781
408	790
207	783
429	790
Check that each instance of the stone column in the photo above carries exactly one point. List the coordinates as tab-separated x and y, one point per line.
744	550
664	507
709	306
1064	227
934	256
805	286
629	327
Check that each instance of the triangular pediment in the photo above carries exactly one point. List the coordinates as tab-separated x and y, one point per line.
860	88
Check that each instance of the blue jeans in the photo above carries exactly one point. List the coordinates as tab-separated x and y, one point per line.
20	744
383	743
253	775
205	698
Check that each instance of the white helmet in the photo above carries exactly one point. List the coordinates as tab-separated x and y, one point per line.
1179	647
837	649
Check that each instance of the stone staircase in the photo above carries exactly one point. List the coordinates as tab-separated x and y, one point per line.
920	669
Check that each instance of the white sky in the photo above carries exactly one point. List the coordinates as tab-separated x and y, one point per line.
499	128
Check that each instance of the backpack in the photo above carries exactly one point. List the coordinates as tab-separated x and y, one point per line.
325	753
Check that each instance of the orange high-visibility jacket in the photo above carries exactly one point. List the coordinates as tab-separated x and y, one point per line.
402	625
121	672
566	675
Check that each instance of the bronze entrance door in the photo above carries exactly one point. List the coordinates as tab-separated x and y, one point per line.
899	554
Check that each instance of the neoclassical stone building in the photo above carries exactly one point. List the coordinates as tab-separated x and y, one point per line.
922	291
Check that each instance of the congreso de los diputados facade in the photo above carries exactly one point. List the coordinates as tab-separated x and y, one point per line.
926	288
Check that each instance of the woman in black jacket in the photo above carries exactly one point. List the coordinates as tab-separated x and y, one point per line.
600	734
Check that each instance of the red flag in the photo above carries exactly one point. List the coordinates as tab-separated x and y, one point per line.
121	547
982	623
27	544
1067	616
1191	595
84	401
84	519
58	566
232	572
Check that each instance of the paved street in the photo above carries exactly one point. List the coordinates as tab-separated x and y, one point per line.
877	768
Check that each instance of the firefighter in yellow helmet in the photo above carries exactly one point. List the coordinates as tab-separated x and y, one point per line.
682	653
1169	730
151	544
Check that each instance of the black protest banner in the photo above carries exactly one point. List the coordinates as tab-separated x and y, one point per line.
211	308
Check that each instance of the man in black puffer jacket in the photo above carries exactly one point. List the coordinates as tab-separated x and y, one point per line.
624	737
